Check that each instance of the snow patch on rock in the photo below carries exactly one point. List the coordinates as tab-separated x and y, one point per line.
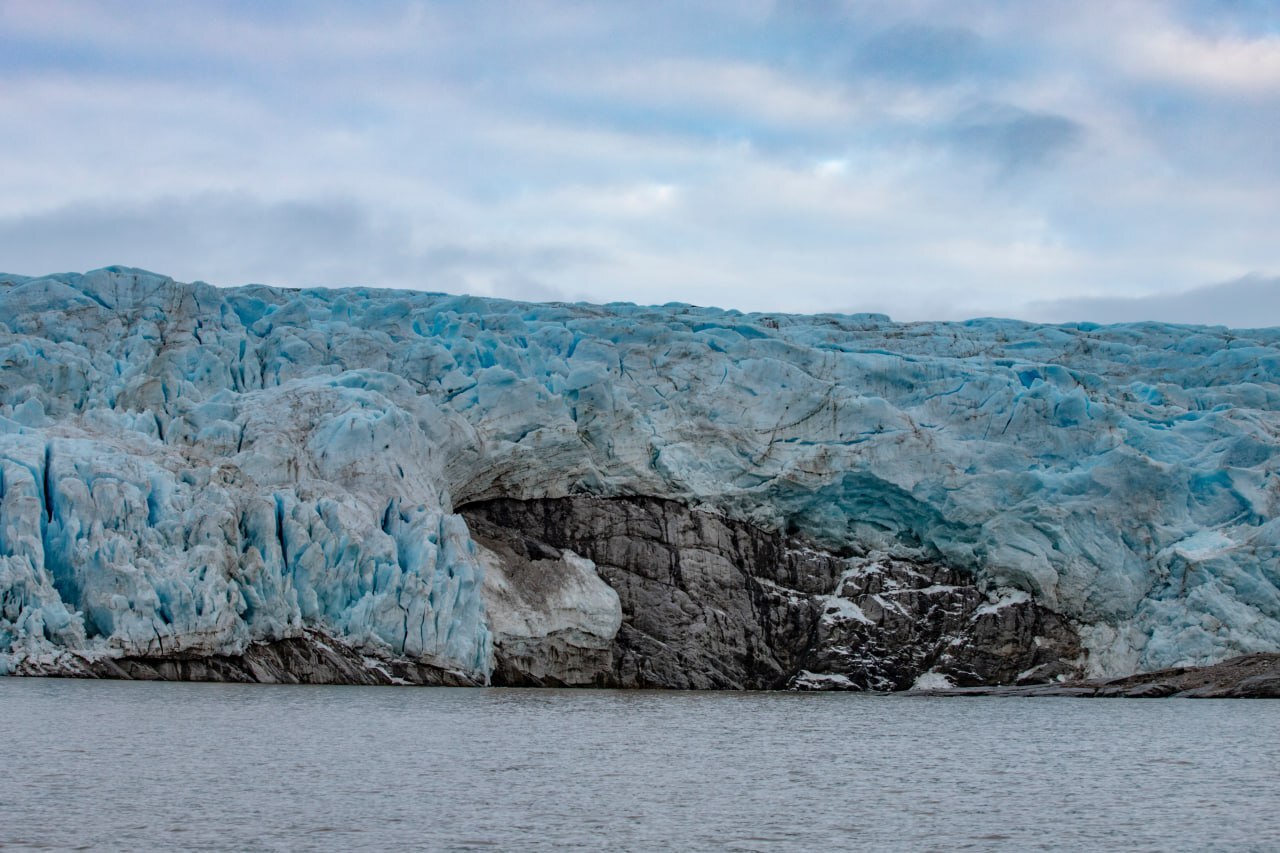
932	681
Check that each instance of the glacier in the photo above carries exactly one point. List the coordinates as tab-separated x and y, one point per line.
187	470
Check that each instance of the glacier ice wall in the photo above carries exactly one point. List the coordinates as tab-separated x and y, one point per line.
188	468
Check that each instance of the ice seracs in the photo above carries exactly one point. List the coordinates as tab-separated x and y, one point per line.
186	469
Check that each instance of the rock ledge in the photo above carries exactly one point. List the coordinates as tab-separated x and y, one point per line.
1255	676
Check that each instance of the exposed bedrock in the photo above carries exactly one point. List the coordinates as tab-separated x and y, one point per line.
311	658
703	601
1255	676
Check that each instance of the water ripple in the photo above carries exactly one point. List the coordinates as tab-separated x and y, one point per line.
131	765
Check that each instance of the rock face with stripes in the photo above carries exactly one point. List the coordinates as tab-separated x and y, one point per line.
192	472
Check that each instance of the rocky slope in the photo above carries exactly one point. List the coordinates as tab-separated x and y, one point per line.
1255	676
433	489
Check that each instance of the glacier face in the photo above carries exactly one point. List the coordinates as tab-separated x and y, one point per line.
188	469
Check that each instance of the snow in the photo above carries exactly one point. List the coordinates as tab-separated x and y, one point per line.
932	681
1001	599
806	680
838	609
578	604
184	467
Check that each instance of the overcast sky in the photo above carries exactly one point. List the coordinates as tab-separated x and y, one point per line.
1047	160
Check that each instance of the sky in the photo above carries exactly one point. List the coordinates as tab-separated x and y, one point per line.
1056	161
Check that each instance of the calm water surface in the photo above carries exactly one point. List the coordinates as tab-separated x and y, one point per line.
131	765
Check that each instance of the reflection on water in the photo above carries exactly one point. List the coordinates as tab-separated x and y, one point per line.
228	767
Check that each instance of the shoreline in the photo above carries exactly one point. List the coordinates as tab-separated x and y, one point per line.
316	658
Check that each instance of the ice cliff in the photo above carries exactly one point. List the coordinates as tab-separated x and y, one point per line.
483	487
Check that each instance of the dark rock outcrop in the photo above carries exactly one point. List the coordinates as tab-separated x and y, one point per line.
313	658
702	599
891	620
1255	676
711	603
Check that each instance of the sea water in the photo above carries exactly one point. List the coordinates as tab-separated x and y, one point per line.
133	765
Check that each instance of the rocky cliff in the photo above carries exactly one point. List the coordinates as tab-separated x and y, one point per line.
272	485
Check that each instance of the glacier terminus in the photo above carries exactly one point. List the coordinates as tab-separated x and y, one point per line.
379	486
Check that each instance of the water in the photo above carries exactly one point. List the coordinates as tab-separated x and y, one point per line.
132	765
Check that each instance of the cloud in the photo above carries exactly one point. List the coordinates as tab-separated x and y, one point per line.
1249	302
194	236
525	288
1230	64
505	256
1014	138
755	155
725	87
922	52
232	238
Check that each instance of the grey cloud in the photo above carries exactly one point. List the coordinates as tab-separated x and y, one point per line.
526	288
207	235
504	256
1016	139
921	52
230	238
1249	302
